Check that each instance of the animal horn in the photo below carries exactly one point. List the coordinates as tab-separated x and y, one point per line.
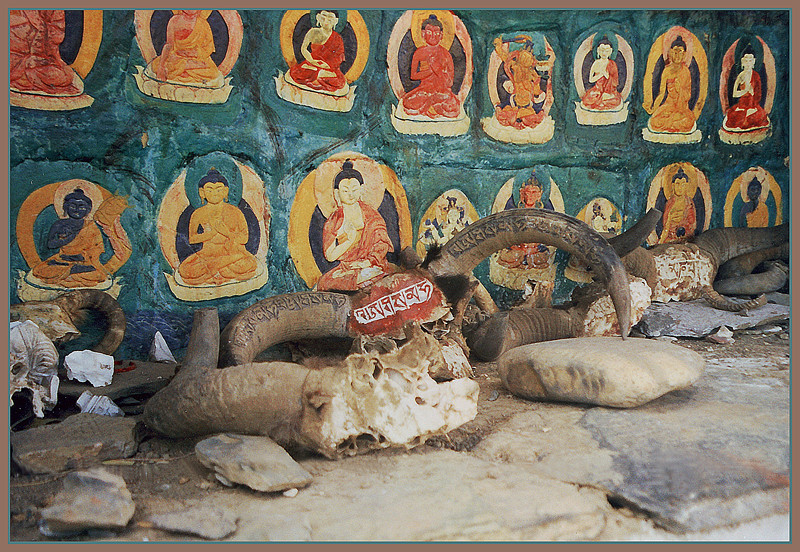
73	302
723	303
633	237
498	231
302	315
723	244
745	264
772	279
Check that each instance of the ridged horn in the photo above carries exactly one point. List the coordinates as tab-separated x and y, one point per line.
520	326
723	244
723	303
73	302
462	253
772	279
745	264
302	315
634	237
247	399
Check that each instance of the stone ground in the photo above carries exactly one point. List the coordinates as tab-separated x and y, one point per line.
710	462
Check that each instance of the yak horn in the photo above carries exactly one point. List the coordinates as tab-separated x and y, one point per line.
723	303
495	232
633	237
302	315
723	244
745	264
73	302
773	279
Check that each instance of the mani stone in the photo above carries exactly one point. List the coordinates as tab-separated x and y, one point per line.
204	521
79	441
606	371
92	499
91	366
255	461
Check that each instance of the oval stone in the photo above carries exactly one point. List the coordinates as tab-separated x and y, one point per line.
606	371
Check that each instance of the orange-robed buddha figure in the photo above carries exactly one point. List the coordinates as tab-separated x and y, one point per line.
222	230
36	64
680	216
355	235
323	53
186	55
672	113
433	66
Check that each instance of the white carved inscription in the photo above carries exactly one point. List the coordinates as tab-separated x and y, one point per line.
396	302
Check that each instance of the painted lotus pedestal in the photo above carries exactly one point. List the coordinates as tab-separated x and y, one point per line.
188	54
40	77
81	248
348	223
326	51
754	200
675	88
429	61
520	81
603	74
518	265
213	230
747	91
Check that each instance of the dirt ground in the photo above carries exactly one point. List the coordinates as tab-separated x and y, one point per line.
165	471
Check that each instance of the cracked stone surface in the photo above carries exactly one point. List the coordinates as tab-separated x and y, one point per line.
698	318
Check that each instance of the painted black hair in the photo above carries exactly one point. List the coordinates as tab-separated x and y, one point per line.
212	176
347	172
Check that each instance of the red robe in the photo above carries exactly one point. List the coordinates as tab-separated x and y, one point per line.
332	53
737	117
433	67
373	246
593	98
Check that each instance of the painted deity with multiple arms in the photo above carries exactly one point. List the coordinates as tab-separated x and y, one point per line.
355	235
222	230
527	85
323	53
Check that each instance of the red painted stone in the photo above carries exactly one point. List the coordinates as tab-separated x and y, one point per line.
395	300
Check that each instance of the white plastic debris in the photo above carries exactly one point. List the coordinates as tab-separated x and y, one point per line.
91	366
98	404
159	350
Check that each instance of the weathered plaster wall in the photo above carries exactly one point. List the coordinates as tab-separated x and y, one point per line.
134	145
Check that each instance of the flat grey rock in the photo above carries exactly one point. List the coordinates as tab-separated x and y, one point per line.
204	521
79	441
144	379
606	371
698	318
92	499
255	461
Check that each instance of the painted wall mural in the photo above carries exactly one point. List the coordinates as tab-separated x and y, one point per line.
51	52
603	216
213	227
681	192
521	89
747	91
326	51
71	237
349	220
603	72
429	61
754	200
450	213
189	54
675	88
519	264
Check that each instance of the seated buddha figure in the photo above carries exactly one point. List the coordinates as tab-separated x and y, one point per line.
36	64
79	241
528	255
355	235
323	53
604	78
671	111
433	66
221	229
526	86
746	113
754	212
186	55
680	215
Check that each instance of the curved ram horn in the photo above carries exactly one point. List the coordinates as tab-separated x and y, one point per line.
641	263
489	234
73	302
745	264
246	399
302	315
634	237
723	244
723	303
773	279
520	326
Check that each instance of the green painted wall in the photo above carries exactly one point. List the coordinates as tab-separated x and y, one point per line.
283	142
